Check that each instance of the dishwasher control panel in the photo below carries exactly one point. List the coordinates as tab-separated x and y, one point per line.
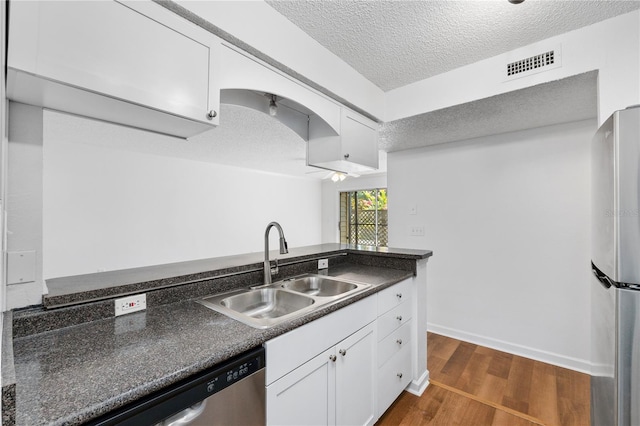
235	374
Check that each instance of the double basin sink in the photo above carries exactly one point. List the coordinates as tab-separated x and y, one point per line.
272	304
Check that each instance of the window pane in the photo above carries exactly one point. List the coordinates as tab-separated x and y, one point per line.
363	217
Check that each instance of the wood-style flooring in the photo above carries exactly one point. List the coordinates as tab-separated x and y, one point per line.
475	385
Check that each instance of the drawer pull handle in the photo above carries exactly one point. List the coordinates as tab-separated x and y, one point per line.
399	375
399	295
212	114
342	352
332	358
399	341
399	317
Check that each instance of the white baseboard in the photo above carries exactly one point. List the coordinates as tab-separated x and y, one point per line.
417	387
581	365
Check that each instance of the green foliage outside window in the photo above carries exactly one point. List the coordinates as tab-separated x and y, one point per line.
367	199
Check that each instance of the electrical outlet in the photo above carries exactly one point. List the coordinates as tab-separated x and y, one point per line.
323	264
135	303
416	231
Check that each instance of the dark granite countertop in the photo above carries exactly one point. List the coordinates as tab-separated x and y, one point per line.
73	374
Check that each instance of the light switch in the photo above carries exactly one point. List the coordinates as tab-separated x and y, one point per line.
21	267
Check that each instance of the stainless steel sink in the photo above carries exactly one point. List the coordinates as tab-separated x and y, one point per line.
266	303
260	308
317	285
266	306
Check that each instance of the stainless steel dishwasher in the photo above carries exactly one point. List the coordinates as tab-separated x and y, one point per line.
232	393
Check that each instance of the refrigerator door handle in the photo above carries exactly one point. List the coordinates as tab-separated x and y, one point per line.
601	276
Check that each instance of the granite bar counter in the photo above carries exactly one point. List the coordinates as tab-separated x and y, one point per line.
91	287
77	370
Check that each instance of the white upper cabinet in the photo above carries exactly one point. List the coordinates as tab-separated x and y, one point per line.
354	150
132	63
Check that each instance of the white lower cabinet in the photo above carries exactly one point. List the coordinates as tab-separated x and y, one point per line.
339	369
334	388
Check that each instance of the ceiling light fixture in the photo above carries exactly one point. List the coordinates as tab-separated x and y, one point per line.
515	1
273	108
337	176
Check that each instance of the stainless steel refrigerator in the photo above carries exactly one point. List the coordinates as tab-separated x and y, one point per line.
615	260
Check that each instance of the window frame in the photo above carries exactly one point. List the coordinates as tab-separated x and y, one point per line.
347	202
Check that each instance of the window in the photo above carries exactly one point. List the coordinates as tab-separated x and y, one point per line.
363	217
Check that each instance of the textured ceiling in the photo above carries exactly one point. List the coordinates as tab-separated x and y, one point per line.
562	101
394	43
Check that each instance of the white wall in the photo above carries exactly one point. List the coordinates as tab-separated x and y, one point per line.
24	198
108	208
331	201
507	218
4	143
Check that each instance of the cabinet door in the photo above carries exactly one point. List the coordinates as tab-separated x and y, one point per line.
355	378
136	52
359	139
306	396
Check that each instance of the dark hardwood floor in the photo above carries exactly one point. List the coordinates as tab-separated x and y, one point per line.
475	385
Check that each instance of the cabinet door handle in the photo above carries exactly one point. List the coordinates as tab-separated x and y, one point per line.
346	156
332	358
399	375
399	317
342	352
399	295
399	341
212	114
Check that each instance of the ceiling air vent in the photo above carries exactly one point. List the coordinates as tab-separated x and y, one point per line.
534	64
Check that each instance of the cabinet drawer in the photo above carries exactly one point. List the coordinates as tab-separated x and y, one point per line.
393	319
393	377
394	343
394	296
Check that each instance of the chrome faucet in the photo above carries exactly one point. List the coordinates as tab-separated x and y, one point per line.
283	250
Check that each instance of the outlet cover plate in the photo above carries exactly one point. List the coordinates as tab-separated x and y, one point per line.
21	267
129	304
416	231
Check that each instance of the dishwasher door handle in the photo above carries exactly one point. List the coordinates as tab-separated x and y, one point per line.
185	416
